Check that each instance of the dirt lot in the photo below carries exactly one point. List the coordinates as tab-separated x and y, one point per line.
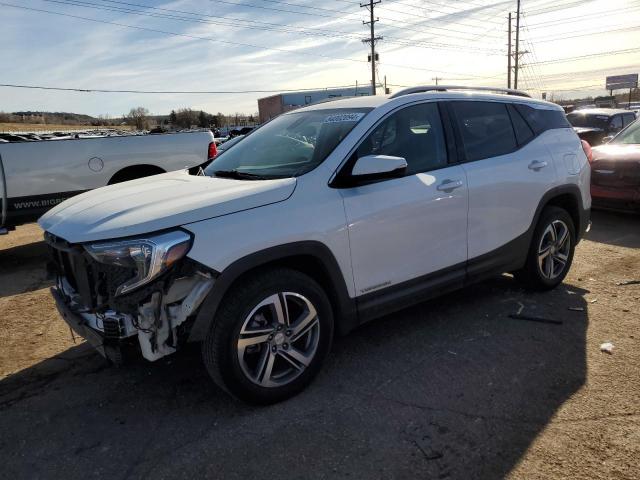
452	388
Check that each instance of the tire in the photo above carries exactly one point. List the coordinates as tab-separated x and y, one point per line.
549	260
259	356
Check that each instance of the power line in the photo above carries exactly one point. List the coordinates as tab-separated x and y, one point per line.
228	21
580	57
576	18
262	7
168	92
216	40
478	8
166	32
341	13
232	19
225	21
551	38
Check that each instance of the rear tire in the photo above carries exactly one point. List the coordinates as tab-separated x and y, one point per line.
270	336
551	250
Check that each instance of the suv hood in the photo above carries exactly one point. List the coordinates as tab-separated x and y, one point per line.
156	203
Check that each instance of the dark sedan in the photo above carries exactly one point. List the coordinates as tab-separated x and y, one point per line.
594	124
615	171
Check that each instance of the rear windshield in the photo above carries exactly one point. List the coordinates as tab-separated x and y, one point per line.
588	120
289	145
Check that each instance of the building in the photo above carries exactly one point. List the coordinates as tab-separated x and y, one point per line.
274	105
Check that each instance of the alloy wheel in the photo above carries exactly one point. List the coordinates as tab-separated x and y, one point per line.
278	339
554	250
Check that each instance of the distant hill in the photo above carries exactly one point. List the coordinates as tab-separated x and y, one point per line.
68	118
58	117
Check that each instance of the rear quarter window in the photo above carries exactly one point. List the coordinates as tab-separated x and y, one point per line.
541	120
524	133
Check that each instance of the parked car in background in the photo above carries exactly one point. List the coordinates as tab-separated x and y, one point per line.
323	218
615	171
240	131
36	175
229	143
595	124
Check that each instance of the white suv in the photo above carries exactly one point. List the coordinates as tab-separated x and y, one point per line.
318	221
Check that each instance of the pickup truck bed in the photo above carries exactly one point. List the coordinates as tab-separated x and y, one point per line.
37	175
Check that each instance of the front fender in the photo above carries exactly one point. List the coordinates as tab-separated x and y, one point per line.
344	306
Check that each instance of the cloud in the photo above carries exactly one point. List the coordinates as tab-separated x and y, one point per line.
45	49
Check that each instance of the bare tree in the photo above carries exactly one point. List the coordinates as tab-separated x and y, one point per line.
186	118
139	117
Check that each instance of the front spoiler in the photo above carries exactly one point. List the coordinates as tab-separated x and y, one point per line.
108	348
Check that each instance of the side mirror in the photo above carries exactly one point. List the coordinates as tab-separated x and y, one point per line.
607	139
378	167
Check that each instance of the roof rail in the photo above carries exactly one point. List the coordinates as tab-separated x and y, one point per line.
446	88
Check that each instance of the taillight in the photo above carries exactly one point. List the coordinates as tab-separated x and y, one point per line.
213	151
587	150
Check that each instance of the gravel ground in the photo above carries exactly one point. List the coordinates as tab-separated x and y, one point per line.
452	388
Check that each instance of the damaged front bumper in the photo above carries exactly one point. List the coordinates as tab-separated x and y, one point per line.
154	317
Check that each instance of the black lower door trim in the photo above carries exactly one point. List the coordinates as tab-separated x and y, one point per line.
396	297
510	257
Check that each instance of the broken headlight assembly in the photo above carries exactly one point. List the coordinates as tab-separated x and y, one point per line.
148	256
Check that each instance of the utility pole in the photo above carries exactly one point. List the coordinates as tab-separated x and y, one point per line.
435	79
509	55
372	39
517	58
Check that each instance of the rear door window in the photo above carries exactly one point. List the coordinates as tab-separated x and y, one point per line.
485	128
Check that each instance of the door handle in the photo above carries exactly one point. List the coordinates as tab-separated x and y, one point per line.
449	185
537	165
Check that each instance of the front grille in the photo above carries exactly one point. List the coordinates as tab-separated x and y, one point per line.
112	327
611	174
95	282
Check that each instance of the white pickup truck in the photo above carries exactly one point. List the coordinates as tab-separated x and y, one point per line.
37	175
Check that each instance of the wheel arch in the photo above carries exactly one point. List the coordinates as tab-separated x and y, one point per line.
569	198
309	257
132	172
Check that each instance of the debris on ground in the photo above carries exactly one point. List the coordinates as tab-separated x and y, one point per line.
593	301
607	347
576	309
517	316
629	282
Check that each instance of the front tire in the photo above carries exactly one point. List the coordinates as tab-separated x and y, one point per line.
270	336
551	251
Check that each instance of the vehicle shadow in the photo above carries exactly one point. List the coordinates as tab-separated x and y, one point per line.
22	269
451	388
625	225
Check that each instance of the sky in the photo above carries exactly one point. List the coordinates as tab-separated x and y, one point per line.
238	45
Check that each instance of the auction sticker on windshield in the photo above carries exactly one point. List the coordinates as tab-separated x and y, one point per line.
344	117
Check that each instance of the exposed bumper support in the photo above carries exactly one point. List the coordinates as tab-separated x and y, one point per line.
155	325
79	325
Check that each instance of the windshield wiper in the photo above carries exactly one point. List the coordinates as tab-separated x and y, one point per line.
239	175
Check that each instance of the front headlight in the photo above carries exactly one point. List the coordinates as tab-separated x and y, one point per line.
148	256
